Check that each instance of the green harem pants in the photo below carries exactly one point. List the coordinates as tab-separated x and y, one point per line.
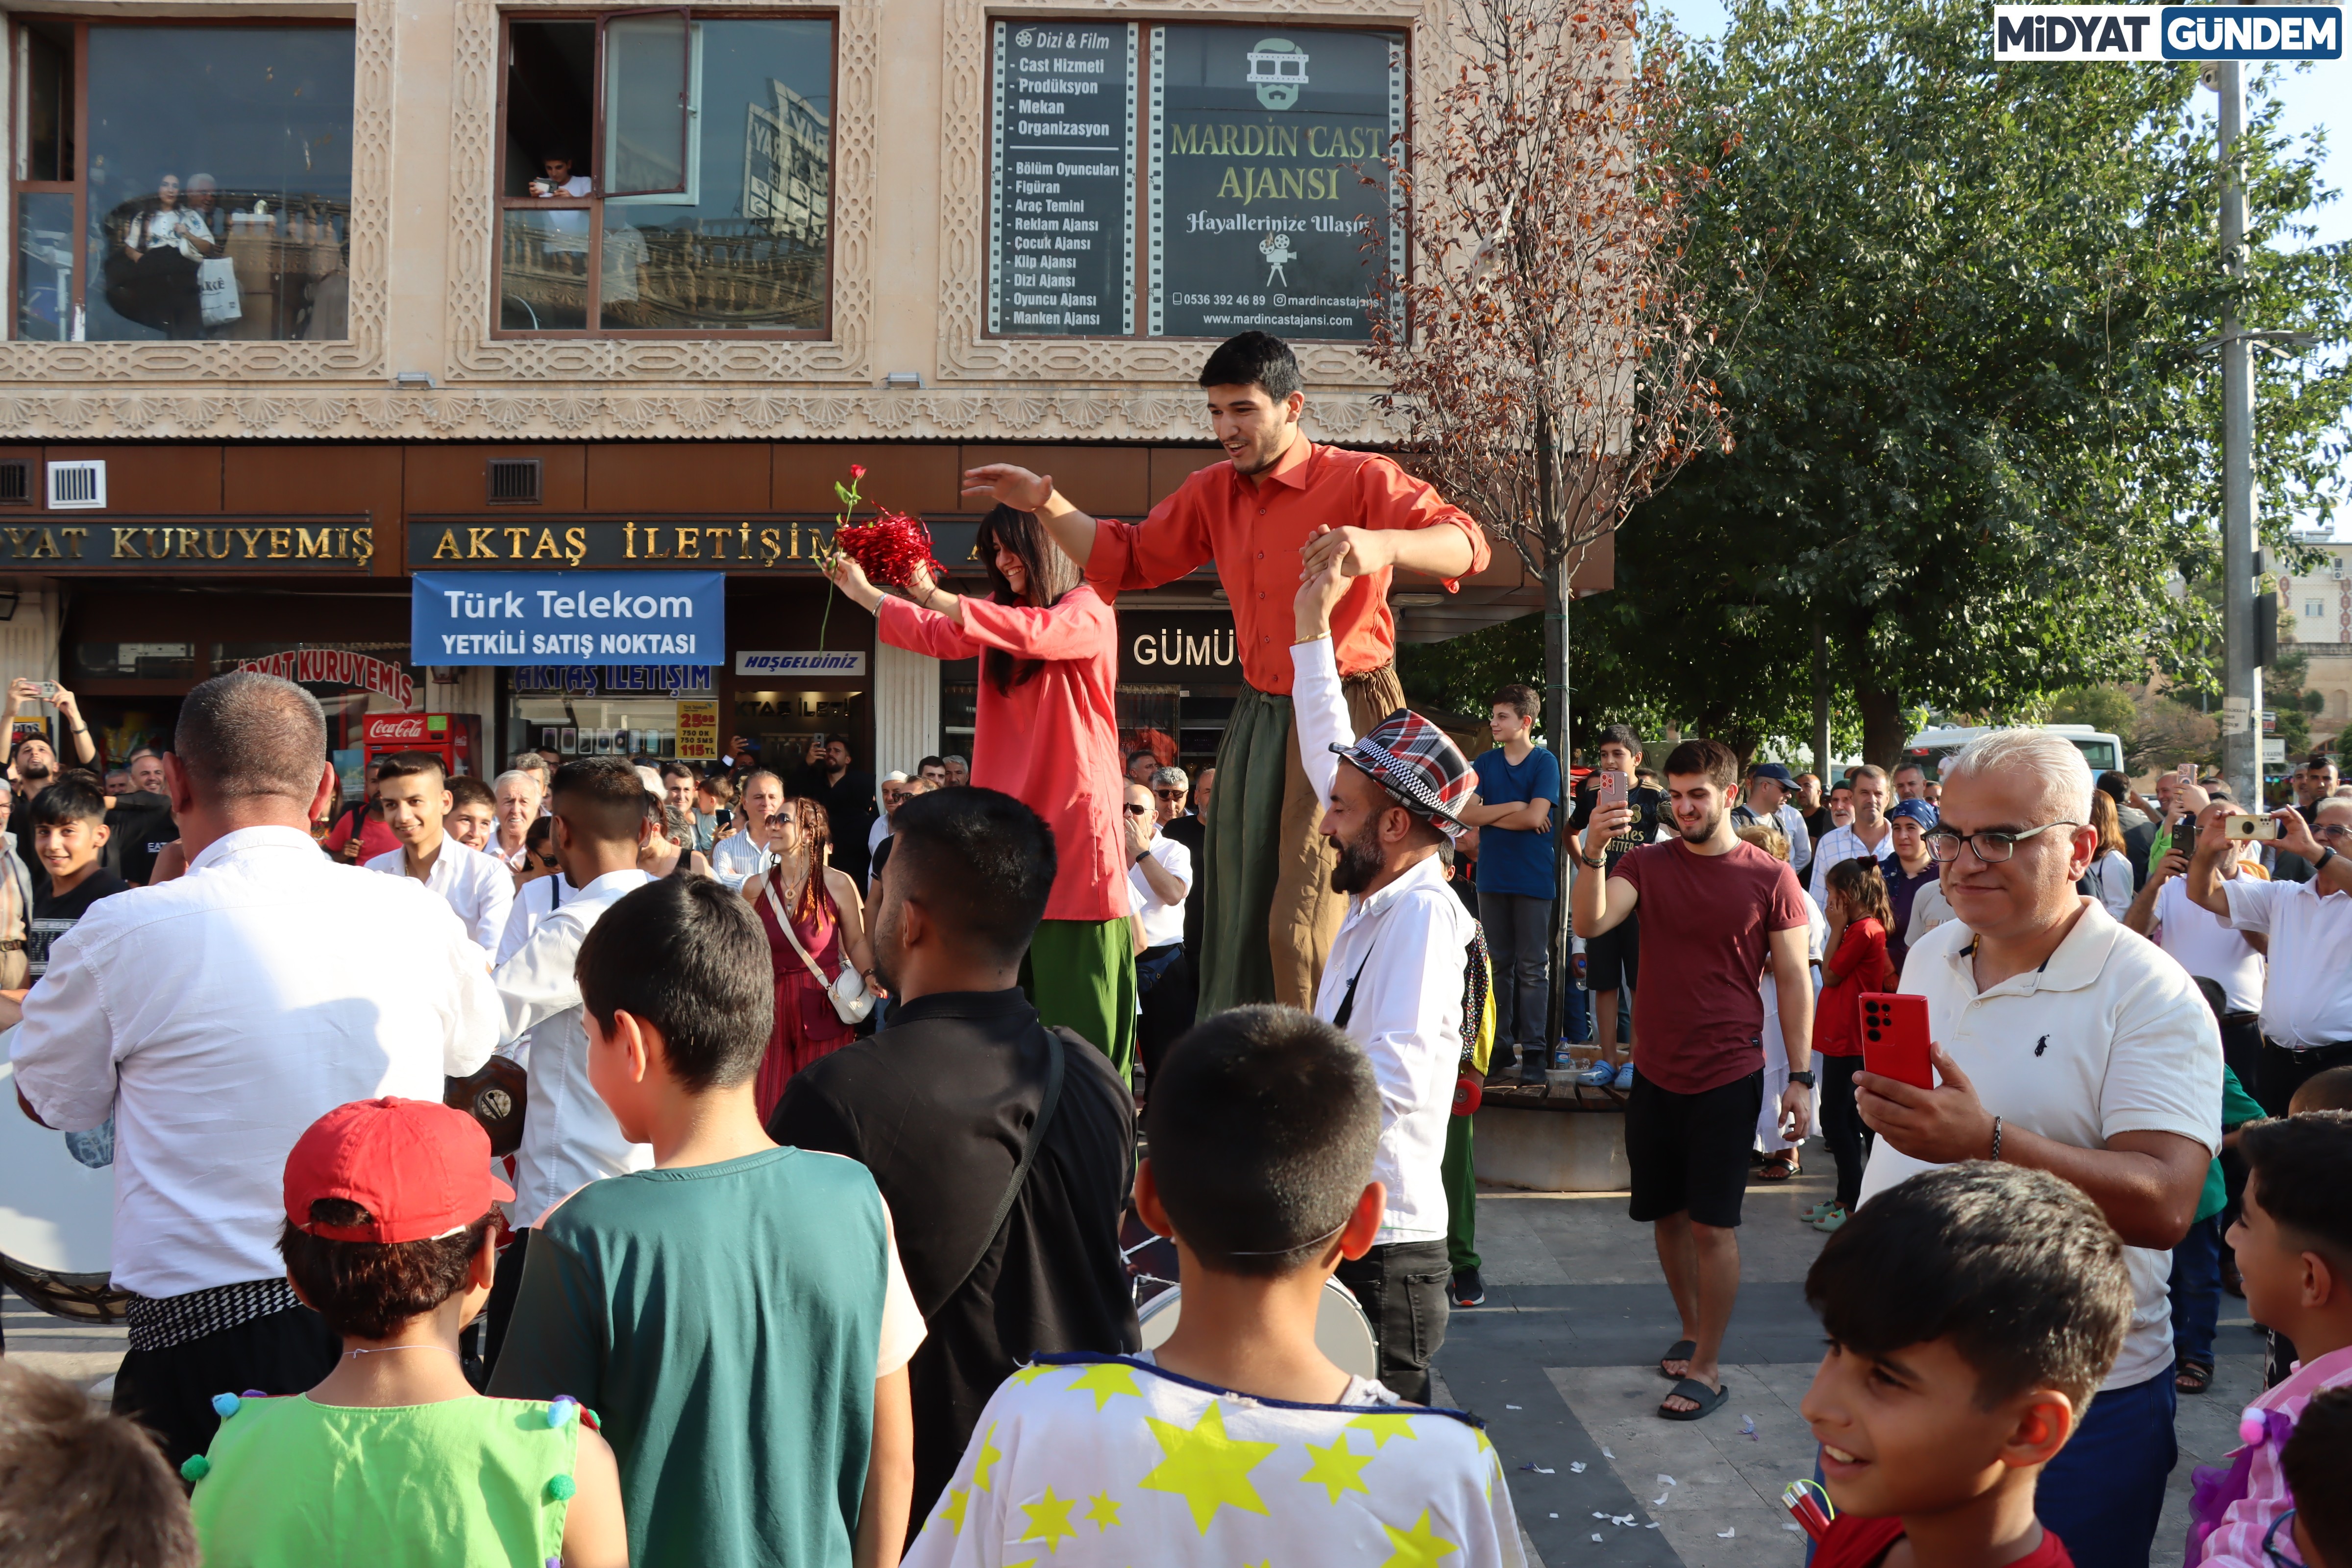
1081	975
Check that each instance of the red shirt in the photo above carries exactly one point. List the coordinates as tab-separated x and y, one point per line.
1861	965
1253	534
1706	921
376	838
1857	1543
1052	743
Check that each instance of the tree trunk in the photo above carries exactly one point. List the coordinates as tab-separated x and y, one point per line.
1821	704
1557	594
1883	731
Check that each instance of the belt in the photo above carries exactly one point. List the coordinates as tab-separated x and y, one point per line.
2240	1017
14	945
2308	1050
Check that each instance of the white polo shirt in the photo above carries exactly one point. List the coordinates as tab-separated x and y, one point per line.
2308	1000
2207	946
477	886
2109	1036
1162	924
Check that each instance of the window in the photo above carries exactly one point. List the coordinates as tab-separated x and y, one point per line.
666	173
177	182
1262	165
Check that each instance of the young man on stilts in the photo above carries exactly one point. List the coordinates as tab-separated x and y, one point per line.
1271	912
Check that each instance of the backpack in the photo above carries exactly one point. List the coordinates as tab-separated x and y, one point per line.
1477	1022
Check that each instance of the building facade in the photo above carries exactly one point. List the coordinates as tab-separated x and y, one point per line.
308	298
2321	604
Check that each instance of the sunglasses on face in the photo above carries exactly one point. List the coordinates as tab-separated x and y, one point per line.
1168	794
1135	810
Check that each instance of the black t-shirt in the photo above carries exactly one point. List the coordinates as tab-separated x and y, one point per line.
849	812
1193	835
937	1106
1648	804
1817	824
142	825
54	913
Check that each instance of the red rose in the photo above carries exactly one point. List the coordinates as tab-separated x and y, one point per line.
856	472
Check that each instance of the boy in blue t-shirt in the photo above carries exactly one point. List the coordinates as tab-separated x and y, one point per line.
1518	792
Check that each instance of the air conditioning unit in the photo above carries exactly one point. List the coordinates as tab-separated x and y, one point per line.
78	486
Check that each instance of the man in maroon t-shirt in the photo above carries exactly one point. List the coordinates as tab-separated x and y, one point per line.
1717	913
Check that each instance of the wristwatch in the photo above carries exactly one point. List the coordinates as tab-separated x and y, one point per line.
1805	1078
2326	855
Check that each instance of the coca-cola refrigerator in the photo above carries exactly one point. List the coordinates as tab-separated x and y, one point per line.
455	738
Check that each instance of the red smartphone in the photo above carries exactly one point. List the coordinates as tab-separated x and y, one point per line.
1895	1038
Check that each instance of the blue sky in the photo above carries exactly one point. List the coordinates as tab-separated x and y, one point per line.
2316	97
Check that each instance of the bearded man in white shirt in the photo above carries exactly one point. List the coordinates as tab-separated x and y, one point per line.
215	1017
2065	1042
1393	981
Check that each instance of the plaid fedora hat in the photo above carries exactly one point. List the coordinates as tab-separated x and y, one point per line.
1412	760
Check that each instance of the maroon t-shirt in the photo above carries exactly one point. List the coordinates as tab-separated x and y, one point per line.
1706	920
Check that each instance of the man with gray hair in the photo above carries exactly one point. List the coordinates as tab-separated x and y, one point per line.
2065	1042
215	1017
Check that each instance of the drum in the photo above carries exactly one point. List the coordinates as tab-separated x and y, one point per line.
1342	1332
56	1217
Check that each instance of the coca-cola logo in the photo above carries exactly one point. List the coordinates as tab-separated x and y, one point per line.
395	727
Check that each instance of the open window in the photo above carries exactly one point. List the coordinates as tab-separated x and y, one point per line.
666	173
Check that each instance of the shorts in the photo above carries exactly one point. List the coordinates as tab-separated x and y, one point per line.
1689	1152
1612	961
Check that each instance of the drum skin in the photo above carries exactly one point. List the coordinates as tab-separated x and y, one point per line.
1342	1332
56	1217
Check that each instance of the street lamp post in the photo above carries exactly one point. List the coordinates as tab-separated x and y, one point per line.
2242	682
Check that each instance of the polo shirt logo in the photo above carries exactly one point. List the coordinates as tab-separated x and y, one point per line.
2041	1045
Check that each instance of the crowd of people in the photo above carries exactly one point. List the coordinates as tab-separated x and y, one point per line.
843	1101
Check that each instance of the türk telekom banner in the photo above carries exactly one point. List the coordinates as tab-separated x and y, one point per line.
2056	33
568	617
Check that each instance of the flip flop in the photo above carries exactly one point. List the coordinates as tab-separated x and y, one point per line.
1709	1400
1681	1350
1776	1169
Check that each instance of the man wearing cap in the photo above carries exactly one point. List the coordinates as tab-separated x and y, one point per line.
1394	979
1770	787
215	1017
1281	502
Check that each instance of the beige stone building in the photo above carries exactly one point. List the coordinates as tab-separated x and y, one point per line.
307	297
2321	604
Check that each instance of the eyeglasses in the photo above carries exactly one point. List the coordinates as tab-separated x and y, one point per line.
1168	794
2280	1559
2334	832
1135	810
1991	847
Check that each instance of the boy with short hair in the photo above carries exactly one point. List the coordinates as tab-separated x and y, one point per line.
2293	1244
417	801
394	1460
69	832
737	1313
1972	1312
1518	799
473	817
2317	1458
79	1487
1238	1440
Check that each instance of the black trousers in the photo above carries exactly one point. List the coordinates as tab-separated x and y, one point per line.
1842	1125
2282	1071
1402	1288
1166	1010
170	1392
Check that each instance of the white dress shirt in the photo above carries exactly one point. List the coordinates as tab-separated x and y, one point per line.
2207	946
1406	949
533	902
737	859
1162	922
569	1138
2109	1036
2307	1001
1845	843
477	886
216	1017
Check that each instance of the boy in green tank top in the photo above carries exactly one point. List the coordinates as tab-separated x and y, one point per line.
394	1460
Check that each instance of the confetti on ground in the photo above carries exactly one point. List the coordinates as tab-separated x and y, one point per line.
1748	1426
1665	1480
1576	1467
1555	1516
1596	1535
1538	1470
1651	1525
1798	1528
1724	1534
1606	1454
1659	1500
1598	1514
1510	1408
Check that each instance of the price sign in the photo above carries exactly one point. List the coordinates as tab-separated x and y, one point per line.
1061	226
698	731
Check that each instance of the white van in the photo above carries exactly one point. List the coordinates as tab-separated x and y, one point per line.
2101	752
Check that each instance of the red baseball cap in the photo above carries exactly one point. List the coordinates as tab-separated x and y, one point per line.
420	1169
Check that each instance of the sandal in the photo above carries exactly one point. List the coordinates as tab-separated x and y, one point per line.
2193	1376
1682	1350
1709	1400
1778	1168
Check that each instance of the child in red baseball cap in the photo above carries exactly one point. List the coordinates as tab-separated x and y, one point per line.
394	1460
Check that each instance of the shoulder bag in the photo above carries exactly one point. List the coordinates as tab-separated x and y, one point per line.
1029	1146
846	991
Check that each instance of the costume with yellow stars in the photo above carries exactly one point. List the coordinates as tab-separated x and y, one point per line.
1085	1460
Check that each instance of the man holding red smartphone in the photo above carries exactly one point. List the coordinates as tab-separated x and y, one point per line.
2068	1043
1718	910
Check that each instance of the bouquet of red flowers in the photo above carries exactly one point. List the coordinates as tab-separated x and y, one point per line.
889	548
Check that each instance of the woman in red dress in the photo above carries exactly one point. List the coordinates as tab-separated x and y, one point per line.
827	917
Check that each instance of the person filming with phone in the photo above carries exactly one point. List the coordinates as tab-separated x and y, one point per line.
2306	1008
2065	1043
33	761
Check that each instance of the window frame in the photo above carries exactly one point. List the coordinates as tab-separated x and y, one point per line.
1139	283
502	203
79	186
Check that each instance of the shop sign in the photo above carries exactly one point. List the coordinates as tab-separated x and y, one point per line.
773	543
195	543
1061	212
698	731
591	679
808	661
566	617
1156	646
337	667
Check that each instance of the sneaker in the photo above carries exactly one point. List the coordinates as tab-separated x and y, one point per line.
1831	1219
1624	1078
1600	1075
1469	1290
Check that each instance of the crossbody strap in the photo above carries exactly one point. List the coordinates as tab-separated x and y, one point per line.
784	919
1029	1147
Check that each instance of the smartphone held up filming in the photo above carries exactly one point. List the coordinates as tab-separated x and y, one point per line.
2265	828
1613	785
1895	1038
